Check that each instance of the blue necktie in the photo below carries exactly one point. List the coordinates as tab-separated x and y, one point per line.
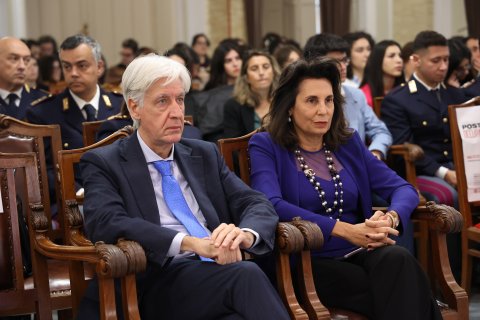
176	201
90	111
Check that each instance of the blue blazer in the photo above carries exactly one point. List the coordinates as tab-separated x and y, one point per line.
127	207
274	172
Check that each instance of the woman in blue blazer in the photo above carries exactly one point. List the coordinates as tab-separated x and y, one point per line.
309	164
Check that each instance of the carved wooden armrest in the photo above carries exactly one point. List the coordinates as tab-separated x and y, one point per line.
74	225
440	217
289	239
311	233
137	260
409	151
110	261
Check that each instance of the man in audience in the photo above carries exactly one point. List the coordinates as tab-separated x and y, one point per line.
358	114
473	45
178	199
15	95
418	113
82	101
48	46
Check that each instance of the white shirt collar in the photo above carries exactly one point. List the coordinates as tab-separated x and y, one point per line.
149	154
81	103
4	94
426	85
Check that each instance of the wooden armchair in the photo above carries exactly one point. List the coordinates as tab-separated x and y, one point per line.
468	191
19	136
44	292
439	219
89	131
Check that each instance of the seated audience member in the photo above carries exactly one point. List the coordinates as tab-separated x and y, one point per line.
31	74
418	113
473	44
358	114
224	70
361	45
384	70
122	119
308	153
200	45
15	96
458	63
48	46
51	75
251	95
191	234
286	55
34	47
408	65
82	101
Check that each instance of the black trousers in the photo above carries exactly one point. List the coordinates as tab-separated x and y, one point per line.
192	289
386	283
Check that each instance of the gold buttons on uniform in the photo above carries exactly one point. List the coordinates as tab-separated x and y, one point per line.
65	145
424	123
445	120
445	153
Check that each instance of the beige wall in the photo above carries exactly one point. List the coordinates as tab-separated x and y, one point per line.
226	21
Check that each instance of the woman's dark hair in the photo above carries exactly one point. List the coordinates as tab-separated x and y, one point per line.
185	52
282	53
351	38
281	130
45	68
200	35
373	75
458	52
218	77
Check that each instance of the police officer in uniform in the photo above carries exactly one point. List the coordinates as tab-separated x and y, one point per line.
418	113
83	100
15	95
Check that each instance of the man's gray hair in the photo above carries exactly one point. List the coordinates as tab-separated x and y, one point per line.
144	71
73	42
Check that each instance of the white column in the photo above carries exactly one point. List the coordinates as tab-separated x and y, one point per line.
442	17
17	18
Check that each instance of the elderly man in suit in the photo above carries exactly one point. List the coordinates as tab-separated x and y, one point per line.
15	95
177	198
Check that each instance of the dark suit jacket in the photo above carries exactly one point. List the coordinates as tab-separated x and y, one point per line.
274	172
417	116
238	120
29	95
128	208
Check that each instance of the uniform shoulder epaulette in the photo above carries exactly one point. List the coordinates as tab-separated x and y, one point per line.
44	91
117	92
397	89
412	86
118	117
42	99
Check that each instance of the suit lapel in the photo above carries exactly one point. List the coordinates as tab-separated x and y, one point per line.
135	168
192	169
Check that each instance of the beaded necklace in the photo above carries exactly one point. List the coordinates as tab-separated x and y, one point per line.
310	175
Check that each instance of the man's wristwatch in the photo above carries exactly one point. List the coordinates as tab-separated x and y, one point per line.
394	217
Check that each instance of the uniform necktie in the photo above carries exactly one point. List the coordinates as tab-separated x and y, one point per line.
12	97
176	201
90	110
436	92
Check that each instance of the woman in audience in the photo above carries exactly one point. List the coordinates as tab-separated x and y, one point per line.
32	74
225	65
251	95
200	45
458	63
384	70
286	55
51	74
310	165
361	44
